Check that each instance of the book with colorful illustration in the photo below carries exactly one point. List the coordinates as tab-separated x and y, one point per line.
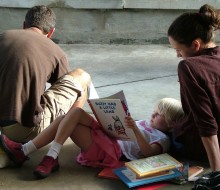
131	180
153	165
110	112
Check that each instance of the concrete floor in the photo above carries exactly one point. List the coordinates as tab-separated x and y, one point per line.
146	73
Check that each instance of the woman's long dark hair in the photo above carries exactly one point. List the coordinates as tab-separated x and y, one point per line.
190	26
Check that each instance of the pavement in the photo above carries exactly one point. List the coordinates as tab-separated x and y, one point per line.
146	73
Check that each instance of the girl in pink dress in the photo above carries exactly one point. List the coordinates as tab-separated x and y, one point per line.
98	149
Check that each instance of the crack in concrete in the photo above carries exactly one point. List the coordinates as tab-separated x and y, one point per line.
134	81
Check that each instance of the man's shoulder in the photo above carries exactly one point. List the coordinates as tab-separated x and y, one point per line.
12	31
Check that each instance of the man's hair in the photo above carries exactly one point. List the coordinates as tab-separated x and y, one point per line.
41	17
171	109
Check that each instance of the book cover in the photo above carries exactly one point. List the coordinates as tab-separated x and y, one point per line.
185	174
110	112
108	172
129	177
152	165
189	173
193	172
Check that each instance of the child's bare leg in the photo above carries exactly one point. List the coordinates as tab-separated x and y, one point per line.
84	79
67	126
82	137
48	134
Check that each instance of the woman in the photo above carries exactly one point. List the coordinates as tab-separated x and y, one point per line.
192	36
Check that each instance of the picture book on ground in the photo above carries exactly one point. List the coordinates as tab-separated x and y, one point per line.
110	112
153	165
189	173
108	172
193	172
131	180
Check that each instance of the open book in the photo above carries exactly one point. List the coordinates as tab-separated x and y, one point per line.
110	112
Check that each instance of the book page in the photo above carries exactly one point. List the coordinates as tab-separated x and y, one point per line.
120	95
110	113
92	92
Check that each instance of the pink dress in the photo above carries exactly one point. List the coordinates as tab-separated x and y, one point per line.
104	152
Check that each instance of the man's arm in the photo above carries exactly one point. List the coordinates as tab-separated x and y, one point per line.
212	149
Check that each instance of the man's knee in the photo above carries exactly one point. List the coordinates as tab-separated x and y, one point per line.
77	72
82	76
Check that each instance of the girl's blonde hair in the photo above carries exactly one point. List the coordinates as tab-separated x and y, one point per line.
171	109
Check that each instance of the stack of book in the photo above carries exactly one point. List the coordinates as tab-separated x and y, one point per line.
161	168
149	170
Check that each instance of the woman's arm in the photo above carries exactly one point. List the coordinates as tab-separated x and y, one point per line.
212	149
146	148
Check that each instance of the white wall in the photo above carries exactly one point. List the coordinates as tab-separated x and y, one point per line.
105	21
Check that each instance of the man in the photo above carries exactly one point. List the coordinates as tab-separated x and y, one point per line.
29	59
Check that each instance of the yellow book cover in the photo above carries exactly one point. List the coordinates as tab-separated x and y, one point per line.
153	165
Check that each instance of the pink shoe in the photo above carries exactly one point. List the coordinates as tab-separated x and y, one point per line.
13	150
46	167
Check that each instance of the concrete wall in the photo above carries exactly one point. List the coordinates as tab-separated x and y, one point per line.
105	21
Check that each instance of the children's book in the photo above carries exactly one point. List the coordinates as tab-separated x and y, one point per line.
185	174
153	165
130	179
193	172
189	173
108	172
110	112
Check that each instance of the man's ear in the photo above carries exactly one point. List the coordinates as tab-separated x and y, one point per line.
196	44
49	35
